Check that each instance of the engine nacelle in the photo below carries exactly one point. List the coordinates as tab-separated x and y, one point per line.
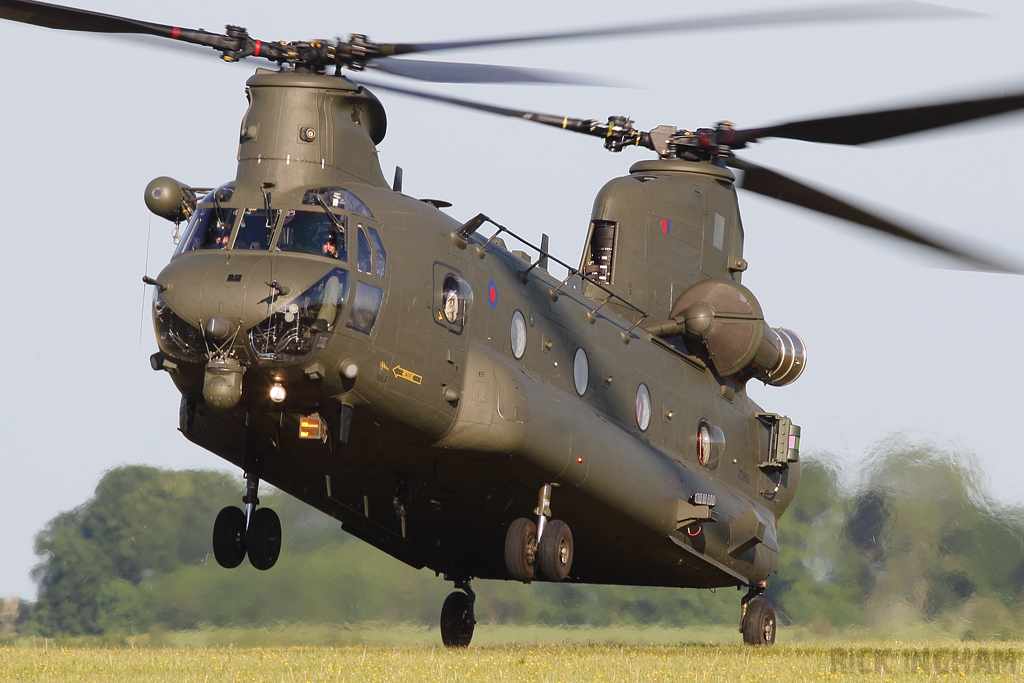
722	322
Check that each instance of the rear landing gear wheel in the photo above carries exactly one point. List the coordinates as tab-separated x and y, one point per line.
758	622
263	538
554	553
229	537
521	549
457	620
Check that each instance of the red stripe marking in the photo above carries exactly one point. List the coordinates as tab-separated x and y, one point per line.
175	32
258	45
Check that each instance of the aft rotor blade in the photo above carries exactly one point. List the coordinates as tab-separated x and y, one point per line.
455	72
773	184
886	10
858	129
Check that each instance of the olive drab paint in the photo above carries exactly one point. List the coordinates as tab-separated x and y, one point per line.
424	393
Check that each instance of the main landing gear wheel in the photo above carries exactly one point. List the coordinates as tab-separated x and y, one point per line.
229	537
520	549
457	620
758	624
263	538
554	553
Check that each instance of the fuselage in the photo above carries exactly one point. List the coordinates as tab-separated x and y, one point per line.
443	384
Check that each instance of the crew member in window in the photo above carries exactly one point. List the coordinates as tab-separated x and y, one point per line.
218	236
330	244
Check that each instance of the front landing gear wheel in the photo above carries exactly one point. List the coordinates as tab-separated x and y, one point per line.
229	537
457	620
521	549
759	623
264	538
554	553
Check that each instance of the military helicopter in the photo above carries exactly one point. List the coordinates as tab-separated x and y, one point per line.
294	320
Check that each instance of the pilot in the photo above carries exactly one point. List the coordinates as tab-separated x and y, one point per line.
217	237
330	245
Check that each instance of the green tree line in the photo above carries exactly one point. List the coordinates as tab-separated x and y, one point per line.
914	539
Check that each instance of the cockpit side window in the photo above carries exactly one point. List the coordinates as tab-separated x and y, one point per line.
365	257
339	198
313	232
382	255
208	229
256	229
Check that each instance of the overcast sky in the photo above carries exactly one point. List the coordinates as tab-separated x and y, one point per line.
899	346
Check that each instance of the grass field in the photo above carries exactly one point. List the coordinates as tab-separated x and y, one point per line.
46	661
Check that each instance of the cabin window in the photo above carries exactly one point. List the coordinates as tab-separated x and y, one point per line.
365	307
208	229
453	297
643	407
255	229
710	444
581	371
517	334
313	232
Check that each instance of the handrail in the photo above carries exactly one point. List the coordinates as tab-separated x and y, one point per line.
471	226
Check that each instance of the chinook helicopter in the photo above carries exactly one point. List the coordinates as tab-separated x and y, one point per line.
444	396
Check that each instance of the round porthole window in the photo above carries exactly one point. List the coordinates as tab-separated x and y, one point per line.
704	444
710	444
643	407
518	334
581	371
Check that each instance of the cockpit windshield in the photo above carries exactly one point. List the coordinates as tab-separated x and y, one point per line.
208	229
302	326
313	232
255	229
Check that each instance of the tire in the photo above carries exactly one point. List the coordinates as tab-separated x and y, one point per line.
759	623
457	620
521	549
229	537
554	554
264	538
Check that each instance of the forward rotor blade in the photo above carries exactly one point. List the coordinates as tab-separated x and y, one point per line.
73	19
773	184
454	72
858	129
565	122
887	10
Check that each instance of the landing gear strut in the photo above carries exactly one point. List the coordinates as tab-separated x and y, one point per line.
545	545
255	532
457	619
757	617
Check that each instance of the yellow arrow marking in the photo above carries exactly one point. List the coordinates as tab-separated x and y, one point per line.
408	375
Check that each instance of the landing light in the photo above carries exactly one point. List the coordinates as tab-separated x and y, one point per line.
277	393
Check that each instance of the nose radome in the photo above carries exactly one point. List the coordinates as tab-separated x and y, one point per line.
218	329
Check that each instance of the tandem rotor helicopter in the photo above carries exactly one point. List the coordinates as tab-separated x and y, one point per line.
431	385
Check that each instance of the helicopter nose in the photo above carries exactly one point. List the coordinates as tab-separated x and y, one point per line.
254	307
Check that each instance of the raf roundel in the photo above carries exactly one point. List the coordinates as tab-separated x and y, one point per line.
492	294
